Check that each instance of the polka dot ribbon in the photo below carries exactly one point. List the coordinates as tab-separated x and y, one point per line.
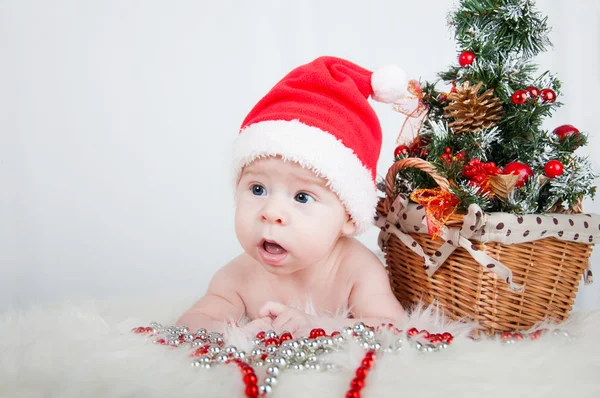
404	218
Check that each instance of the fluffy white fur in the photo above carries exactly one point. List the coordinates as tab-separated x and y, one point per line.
318	151
85	349
389	84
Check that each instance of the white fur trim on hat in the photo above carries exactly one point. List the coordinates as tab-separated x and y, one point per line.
318	151
389	84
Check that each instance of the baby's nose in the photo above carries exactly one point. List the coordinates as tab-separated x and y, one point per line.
272	217
273	213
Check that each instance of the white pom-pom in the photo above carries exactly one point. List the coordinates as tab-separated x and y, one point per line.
389	84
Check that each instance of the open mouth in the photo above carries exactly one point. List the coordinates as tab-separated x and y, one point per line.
272	252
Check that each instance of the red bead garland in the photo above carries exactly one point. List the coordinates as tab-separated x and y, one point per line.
356	385
358	382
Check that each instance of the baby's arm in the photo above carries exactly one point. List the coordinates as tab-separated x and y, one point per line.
220	304
371	298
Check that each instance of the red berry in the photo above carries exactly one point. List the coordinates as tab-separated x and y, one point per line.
401	150
548	95
519	97
520	169
553	168
448	150
565	130
479	178
533	91
466	58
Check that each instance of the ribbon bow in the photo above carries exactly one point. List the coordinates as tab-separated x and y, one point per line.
413	107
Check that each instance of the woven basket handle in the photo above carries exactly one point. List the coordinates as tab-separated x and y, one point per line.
390	179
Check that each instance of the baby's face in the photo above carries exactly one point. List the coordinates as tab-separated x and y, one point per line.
286	217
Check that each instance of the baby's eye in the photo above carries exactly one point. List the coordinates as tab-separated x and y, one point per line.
258	190
303	197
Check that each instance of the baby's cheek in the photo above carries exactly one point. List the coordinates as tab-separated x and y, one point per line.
317	240
242	230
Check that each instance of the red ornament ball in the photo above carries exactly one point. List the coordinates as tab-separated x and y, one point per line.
565	130
401	150
520	169
533	91
466	58
519	97
553	168
548	95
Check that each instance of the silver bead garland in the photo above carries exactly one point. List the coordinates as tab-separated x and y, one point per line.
306	353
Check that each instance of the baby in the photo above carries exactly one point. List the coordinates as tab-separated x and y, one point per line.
304	166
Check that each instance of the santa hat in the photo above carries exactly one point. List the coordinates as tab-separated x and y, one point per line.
319	116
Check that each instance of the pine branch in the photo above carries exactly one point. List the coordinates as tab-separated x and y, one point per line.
509	26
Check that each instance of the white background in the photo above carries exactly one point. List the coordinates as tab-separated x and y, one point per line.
117	118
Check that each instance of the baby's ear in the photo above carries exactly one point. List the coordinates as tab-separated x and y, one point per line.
349	227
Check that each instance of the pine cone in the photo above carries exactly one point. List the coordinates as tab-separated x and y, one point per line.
472	112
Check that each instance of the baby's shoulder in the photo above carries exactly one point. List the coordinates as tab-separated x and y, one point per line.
356	256
237	270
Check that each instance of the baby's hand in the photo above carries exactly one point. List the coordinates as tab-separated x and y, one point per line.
286	319
258	325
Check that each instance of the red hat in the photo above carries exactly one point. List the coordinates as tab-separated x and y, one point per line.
319	116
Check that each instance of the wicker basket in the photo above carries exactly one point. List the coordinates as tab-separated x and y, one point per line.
549	268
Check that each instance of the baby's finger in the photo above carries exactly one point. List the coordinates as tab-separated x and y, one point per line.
291	326
272	308
281	320
258	325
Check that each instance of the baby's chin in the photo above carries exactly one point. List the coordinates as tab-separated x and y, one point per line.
288	267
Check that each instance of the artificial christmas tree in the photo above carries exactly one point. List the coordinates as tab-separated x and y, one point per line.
487	182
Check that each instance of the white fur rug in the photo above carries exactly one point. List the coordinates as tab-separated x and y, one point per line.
86	349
